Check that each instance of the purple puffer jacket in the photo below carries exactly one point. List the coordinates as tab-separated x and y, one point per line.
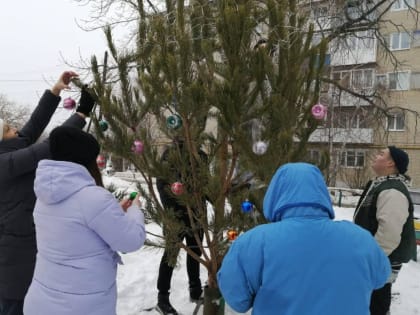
79	227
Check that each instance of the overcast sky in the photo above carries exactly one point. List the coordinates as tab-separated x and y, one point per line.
34	38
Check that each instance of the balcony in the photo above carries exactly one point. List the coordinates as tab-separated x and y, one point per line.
345	99
342	135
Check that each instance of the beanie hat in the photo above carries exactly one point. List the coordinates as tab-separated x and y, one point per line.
400	158
1	129
73	145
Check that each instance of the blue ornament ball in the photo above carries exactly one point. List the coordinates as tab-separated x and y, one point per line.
247	206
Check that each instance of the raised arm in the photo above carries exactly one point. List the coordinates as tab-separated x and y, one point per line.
47	105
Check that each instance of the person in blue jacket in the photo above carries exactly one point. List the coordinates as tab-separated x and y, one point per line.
302	262
80	228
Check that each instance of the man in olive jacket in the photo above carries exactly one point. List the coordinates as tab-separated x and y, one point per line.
385	209
19	157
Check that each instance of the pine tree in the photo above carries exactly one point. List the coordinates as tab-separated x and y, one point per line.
242	77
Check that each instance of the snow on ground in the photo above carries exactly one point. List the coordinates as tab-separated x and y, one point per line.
138	276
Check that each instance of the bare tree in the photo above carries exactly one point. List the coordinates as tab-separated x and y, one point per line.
15	115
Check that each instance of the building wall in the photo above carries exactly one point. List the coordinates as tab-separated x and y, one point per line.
409	100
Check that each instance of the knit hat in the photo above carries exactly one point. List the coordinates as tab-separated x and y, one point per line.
73	145
400	158
1	129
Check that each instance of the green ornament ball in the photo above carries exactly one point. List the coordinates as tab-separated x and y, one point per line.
132	195
174	122
103	125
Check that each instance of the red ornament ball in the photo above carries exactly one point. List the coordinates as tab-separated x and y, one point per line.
232	235
101	161
177	188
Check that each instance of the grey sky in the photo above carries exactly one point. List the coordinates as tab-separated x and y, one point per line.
33	36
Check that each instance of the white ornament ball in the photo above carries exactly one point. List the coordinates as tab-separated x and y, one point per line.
260	147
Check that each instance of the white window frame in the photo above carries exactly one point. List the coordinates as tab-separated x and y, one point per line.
315	155
400	40
401	83
358	154
393	126
364	84
400	5
381	80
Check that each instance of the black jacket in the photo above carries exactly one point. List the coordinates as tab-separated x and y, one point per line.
175	157
19	159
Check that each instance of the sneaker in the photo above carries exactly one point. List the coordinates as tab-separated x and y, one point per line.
164	306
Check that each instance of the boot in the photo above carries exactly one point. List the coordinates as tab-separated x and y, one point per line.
164	306
196	293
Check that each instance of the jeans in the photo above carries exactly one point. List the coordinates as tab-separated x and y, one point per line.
11	307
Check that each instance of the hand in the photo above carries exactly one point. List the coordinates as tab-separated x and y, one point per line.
125	204
86	102
136	201
63	82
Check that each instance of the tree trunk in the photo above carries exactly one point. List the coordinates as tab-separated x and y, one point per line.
214	304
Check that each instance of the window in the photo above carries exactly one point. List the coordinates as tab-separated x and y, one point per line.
399	81
396	122
314	156
353	158
415	80
399	41
357	79
350	120
416	39
381	80
362	79
402	5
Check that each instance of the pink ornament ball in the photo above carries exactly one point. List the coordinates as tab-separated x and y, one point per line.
177	188
69	103
137	147
319	111
101	161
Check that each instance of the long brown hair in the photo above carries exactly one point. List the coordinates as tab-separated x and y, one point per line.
95	173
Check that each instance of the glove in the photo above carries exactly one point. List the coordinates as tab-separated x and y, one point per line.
86	102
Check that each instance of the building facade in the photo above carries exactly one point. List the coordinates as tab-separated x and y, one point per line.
383	69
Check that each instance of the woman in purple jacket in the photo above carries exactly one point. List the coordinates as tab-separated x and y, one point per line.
80	227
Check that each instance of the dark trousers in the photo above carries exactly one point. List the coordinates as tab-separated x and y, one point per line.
193	266
11	307
380	300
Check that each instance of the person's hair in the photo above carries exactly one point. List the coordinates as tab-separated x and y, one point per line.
94	171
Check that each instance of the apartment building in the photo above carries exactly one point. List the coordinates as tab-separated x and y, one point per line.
387	78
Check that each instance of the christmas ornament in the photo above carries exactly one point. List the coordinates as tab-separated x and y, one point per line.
260	147
137	147
319	111
174	122
177	188
132	195
101	161
232	235
247	206
103	125
69	103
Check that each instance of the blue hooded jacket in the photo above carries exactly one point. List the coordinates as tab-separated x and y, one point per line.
303	262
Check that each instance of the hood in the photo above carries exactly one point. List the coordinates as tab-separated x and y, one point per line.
297	189
58	180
